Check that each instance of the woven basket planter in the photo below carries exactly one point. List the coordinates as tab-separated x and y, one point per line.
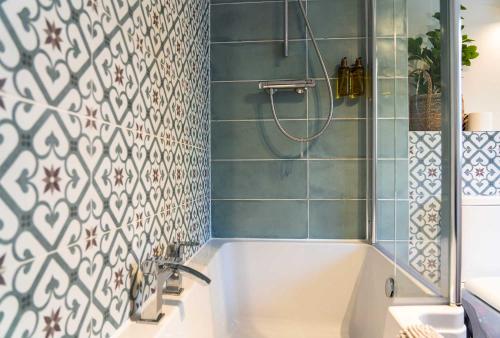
425	112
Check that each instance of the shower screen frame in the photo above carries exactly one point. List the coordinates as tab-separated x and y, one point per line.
451	150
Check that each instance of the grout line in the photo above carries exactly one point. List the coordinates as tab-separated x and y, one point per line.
101	122
380	77
291	40
394	134
306	145
289	199
257	81
305	159
368	127
210	225
298	119
244	2
287	159
112	230
248	2
392	199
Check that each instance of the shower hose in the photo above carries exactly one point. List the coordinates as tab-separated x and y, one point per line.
330	93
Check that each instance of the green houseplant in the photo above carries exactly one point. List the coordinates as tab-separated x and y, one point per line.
424	56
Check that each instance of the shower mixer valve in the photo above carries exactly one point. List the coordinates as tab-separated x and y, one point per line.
299	86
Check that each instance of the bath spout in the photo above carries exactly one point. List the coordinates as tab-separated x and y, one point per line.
191	271
174	283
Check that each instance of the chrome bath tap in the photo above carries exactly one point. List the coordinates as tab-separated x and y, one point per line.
167	271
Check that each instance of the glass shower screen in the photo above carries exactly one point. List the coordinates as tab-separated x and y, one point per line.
411	167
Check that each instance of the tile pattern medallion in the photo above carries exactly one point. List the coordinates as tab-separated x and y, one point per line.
480	177
104	155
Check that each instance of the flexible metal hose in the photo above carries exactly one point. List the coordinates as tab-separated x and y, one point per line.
330	92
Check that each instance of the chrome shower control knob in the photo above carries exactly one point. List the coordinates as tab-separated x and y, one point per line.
390	287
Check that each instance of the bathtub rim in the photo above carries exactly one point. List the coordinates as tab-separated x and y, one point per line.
206	252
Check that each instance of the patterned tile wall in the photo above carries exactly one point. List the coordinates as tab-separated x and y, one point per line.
425	178
480	177
104	155
481	168
264	185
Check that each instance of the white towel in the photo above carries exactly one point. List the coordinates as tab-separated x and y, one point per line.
419	331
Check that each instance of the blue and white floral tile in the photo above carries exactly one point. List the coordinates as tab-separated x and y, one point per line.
120	288
481	169
46	56
425	203
114	272
425	218
116	175
130	166
424	164
116	84
425	258
45	171
480	177
49	296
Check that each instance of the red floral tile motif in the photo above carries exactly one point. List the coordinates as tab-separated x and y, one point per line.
118	176
51	179
91	116
53	35
91	235
118	278
52	323
119	75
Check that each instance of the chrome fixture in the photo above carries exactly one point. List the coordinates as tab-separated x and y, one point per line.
300	86
166	271
452	150
175	253
390	287
154	267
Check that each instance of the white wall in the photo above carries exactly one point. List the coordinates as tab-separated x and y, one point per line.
420	19
481	82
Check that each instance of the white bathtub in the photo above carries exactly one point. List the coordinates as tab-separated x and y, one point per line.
292	289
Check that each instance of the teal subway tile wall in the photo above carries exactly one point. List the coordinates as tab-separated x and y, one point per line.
263	184
392	125
104	155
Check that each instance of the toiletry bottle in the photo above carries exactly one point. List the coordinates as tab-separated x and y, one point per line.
357	82
343	77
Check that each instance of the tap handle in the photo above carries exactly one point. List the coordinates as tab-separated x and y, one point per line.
151	266
176	250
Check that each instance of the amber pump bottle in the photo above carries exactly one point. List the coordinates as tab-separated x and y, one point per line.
343	78
357	81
